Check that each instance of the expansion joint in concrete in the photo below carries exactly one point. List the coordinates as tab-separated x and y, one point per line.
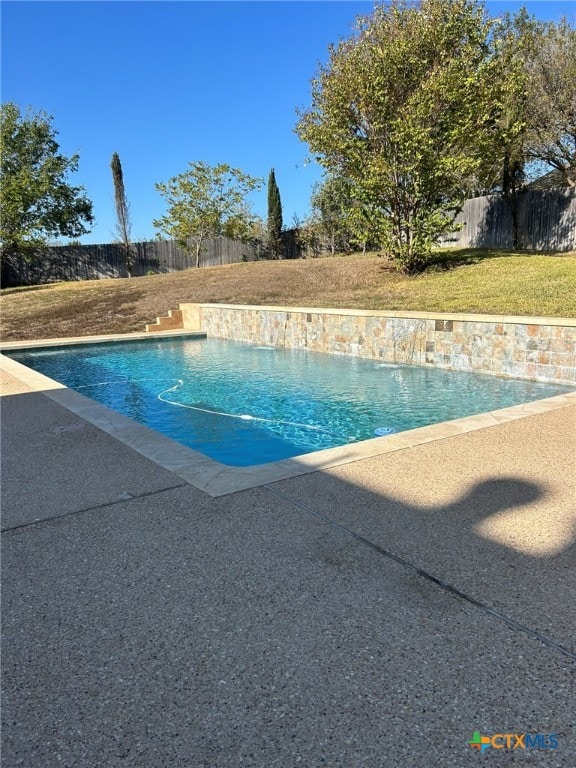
74	513
429	577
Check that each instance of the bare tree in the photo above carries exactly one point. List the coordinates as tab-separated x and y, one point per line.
123	222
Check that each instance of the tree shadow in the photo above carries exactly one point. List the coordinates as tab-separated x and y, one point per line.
500	544
444	261
25	288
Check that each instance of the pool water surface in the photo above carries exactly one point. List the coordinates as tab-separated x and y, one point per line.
244	405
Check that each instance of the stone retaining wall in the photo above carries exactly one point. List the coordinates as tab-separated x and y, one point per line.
543	349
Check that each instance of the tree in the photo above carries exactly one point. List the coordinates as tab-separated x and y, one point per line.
552	100
207	201
331	203
274	221
400	111
123	221
38	204
342	221
307	235
534	99
513	42
534	108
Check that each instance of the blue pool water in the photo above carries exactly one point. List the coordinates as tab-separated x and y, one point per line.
244	405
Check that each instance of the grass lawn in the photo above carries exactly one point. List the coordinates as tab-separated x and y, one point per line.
492	282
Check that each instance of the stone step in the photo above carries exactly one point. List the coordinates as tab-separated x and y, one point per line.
172	322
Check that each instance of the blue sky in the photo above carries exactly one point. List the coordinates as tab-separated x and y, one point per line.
166	83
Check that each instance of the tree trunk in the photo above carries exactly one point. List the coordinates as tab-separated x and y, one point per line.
510	174
513	203
128	258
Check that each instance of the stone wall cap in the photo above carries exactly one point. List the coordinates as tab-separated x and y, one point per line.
464	317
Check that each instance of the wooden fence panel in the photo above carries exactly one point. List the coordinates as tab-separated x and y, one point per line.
546	222
94	262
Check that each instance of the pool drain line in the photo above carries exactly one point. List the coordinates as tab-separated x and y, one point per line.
243	416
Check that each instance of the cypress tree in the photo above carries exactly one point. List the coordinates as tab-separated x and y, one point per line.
274	216
123	223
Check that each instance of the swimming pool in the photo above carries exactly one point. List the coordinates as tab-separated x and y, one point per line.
244	405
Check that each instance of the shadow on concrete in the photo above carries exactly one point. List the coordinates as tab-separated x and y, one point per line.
504	542
328	619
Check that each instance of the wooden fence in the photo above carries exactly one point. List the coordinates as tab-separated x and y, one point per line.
93	262
546	219
546	222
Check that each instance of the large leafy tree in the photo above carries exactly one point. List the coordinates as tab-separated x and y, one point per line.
207	201
274	220
123	219
513	42
534	107
551	132
400	110
38	202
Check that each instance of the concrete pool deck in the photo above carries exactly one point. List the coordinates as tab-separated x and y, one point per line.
370	614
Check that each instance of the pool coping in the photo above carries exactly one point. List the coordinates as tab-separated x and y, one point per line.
101	339
218	479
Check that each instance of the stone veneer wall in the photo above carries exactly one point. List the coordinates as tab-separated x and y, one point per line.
535	348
